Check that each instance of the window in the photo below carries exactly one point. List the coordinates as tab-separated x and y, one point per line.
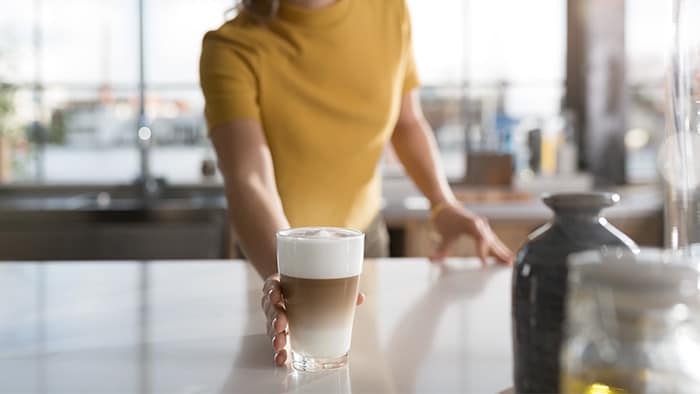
477	63
647	39
174	32
73	73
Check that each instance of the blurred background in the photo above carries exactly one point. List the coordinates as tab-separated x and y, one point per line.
103	140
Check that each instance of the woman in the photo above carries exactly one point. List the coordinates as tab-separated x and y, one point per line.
302	97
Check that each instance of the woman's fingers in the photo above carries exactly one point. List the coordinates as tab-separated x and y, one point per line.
275	296
272	304
272	298
360	298
270	282
279	322
271	309
502	253
443	250
281	357
483	249
276	322
279	341
494	248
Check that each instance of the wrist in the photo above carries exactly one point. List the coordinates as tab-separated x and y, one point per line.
439	207
442	199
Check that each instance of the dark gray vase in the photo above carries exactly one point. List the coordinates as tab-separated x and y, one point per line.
539	283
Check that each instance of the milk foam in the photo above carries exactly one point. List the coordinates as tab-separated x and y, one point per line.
320	252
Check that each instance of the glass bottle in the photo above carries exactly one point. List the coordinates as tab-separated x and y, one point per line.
679	155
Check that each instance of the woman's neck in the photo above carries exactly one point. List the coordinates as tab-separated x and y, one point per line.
311	3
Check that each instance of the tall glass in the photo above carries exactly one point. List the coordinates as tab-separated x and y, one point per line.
320	271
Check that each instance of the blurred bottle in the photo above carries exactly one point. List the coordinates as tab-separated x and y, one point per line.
552	135
534	143
504	126
497	125
567	154
525	148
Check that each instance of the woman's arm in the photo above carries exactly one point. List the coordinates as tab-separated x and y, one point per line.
256	212
416	148
255	208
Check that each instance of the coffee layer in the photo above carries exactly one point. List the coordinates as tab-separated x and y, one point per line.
320	313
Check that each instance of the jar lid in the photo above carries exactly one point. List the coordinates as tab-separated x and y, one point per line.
648	279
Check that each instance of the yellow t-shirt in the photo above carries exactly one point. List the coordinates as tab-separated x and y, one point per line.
326	86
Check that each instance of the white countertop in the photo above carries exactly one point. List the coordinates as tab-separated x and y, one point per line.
196	327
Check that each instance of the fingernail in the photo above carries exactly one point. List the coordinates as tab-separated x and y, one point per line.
269	292
274	321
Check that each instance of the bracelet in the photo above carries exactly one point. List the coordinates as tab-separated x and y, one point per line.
439	207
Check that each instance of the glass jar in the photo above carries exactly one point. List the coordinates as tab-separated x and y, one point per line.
632	324
679	155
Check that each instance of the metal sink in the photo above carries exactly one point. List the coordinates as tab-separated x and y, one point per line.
113	197
112	222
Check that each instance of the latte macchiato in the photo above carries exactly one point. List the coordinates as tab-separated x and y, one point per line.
320	271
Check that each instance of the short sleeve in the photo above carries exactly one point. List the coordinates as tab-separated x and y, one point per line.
228	81
410	80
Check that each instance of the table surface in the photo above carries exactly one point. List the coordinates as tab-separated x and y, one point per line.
196	327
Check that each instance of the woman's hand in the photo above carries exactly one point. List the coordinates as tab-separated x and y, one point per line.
277	325
453	221
277	328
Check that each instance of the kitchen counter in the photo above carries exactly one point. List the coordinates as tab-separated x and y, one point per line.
402	201
196	327
189	221
513	214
